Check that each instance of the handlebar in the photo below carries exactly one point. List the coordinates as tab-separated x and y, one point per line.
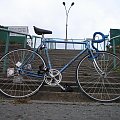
98	41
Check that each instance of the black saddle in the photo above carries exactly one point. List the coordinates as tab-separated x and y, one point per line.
39	31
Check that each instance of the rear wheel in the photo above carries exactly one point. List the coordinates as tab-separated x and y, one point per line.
19	73
101	86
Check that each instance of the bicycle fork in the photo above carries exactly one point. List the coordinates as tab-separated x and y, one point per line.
98	69
96	66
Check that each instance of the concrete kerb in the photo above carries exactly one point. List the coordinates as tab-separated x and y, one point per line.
63	103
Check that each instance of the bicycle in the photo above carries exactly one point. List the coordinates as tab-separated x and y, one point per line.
21	78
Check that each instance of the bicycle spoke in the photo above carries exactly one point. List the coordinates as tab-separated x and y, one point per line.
16	82
103	84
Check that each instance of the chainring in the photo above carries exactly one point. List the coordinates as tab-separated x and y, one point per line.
53	78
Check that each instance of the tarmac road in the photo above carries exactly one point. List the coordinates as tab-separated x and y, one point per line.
39	110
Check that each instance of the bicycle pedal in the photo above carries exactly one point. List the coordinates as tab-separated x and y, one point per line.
68	88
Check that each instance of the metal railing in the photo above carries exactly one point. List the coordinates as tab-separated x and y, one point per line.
52	43
73	44
56	43
7	41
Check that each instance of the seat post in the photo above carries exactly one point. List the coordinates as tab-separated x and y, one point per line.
42	36
42	40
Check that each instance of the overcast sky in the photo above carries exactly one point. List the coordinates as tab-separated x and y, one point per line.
85	17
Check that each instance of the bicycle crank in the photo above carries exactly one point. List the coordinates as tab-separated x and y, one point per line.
53	78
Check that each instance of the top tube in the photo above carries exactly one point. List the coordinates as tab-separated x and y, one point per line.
70	42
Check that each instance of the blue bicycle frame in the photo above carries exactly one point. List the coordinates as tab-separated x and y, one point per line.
86	43
87	48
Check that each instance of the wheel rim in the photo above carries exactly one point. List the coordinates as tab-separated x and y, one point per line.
101	88
13	81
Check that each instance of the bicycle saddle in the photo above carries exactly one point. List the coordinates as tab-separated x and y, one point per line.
39	31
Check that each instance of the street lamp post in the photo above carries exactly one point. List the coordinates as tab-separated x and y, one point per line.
67	12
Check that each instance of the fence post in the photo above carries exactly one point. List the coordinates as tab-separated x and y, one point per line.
6	50
25	41
114	51
7	43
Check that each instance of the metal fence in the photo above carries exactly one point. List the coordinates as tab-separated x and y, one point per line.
53	43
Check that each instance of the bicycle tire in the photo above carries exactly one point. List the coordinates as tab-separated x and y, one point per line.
16	82
104	87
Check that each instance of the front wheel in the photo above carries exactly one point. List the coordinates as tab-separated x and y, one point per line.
100	81
19	73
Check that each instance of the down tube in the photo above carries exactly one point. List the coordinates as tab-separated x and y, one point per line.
71	61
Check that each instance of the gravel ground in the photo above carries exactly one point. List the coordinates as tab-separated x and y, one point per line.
39	110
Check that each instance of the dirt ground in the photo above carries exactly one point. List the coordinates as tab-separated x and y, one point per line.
44	110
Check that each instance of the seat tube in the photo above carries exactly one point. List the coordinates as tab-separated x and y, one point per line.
46	52
47	55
